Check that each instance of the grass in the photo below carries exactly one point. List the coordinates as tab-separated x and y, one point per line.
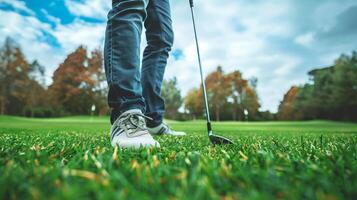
71	158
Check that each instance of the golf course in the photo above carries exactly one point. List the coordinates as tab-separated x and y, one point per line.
71	158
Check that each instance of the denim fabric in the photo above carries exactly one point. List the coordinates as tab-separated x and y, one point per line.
130	88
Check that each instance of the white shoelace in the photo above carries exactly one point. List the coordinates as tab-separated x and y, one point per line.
132	123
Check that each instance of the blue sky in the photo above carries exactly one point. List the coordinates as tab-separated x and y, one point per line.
276	41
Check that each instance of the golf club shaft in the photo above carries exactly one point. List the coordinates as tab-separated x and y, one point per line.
201	73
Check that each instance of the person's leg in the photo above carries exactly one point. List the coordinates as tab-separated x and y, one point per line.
159	37
122	55
122	64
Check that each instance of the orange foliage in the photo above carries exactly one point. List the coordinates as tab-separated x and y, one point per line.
286	107
218	90
76	82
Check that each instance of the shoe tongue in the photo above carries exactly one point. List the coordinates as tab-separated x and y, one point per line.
133	111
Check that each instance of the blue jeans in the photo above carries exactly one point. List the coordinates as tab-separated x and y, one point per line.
130	88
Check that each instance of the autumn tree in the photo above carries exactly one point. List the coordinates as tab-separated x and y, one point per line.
172	95
250	101
21	90
99	85
228	96
37	73
36	102
242	96
4	54
193	103
218	90
14	79
238	84
77	83
286	108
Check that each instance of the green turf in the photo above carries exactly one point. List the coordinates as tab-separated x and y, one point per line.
71	158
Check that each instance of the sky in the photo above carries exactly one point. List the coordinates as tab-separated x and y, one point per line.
276	41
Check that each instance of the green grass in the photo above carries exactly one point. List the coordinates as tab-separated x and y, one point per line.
71	158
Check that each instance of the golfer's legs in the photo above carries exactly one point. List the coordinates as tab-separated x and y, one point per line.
159	37
122	55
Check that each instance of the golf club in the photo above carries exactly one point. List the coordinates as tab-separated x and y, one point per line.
215	139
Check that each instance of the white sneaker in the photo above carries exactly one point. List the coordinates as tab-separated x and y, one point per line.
164	129
130	131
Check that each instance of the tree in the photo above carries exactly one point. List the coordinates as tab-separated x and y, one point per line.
344	92
71	81
37	73
36	90
331	95
243	95
193	103
99	86
218	90
78	82
237	86
286	108
35	100
322	89
250	101
228	96
14	79
172	95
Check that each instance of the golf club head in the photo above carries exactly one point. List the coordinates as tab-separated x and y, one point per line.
219	140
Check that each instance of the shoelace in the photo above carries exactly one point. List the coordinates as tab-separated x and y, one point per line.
132	122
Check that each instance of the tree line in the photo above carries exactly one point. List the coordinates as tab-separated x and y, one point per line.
79	88
331	94
230	97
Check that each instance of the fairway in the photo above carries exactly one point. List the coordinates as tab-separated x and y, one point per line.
71	158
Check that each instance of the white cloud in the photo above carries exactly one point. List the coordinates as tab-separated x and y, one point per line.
18	6
305	39
286	66
50	17
79	33
96	9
